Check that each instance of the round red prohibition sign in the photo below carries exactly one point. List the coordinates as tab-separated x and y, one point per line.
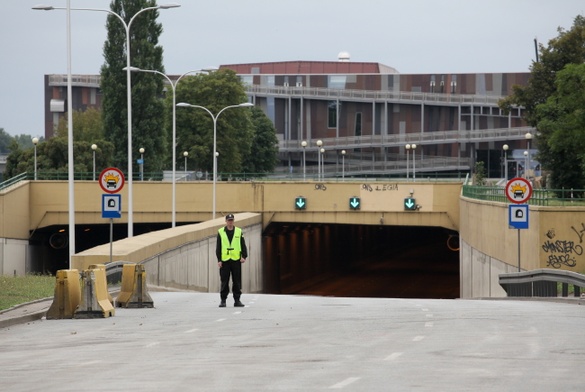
518	190
111	180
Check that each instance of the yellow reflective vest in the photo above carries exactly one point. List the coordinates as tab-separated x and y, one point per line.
233	250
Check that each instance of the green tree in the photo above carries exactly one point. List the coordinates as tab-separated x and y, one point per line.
263	156
561	122
479	173
147	109
235	130
87	126
567	48
5	141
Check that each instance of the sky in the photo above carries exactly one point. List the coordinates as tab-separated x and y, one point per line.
412	36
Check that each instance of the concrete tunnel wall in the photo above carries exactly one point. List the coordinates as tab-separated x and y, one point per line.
184	257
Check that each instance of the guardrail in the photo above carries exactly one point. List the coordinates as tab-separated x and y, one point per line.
542	283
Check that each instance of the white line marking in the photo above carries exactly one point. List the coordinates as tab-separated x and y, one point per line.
192	330
218	320
429	324
418	338
424	309
344	383
239	312
392	356
150	345
88	363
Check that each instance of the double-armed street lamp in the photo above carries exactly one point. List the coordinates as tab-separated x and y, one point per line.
129	109
413	148
215	153
174	132
304	145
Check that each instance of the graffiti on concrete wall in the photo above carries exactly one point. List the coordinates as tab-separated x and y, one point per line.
563	252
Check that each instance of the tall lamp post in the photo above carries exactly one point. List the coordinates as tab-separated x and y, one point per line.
343	164
319	144
174	137
526	164
129	109
141	163
528	136
322	175
304	145
186	154
413	146
505	147
407	163
214	118
93	148
35	141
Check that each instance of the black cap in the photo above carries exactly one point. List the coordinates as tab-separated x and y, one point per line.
229	217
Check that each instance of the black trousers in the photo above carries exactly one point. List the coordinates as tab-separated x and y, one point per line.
233	268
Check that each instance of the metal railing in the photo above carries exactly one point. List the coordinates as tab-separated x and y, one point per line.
542	282
540	197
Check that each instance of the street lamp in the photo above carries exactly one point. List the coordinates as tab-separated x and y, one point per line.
528	136
174	141
322	175
526	164
94	147
342	164
186	154
129	109
304	145
319	144
505	147
141	163
407	163
413	146
35	141
214	118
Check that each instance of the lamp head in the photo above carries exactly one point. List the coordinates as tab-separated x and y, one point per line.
319	143
528	136
42	7
186	154
184	105
35	140
170	5
141	150
413	146
246	104
407	146
303	144
505	147
94	147
342	152
525	153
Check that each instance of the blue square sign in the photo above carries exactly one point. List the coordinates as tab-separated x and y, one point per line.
518	216
111	206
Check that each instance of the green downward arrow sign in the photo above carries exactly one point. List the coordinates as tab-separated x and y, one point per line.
354	203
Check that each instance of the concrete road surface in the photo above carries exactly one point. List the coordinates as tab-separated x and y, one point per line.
303	343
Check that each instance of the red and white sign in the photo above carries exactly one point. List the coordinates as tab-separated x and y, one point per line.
111	180
518	190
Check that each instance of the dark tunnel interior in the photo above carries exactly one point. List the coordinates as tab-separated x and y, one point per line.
314	259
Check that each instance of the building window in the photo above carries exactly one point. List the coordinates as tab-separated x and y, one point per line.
358	124
332	114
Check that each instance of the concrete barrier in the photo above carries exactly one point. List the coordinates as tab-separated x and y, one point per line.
67	295
133	293
95	301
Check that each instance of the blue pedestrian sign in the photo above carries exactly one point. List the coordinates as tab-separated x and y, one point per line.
518	216
111	206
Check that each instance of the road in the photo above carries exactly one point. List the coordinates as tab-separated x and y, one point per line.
303	343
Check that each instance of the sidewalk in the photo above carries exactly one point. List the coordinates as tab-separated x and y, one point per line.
24	313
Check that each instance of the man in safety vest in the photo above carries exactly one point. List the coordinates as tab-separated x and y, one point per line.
231	253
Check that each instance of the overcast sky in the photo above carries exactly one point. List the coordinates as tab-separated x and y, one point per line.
413	36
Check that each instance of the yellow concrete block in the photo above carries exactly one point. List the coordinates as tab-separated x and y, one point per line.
134	293
103	266
67	295
94	299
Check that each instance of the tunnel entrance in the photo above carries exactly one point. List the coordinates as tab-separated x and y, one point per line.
361	261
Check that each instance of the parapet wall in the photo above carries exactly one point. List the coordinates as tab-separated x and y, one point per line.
554	239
